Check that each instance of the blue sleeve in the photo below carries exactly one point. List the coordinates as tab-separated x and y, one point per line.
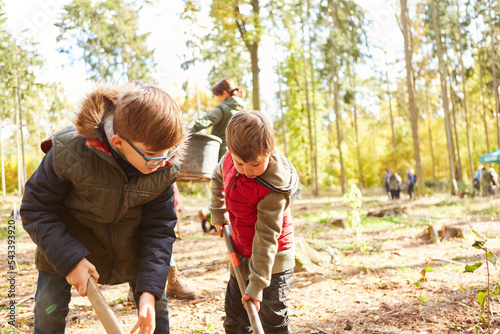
157	236
41	204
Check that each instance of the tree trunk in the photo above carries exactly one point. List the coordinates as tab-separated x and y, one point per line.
431	147
464	88
444	95
253	49
389	95
21	168
493	72
483	101
360	172
2	161
454	123
254	54
283	120
309	121
315	189
337	121
411	100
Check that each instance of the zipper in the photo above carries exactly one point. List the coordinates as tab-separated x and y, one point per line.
235	178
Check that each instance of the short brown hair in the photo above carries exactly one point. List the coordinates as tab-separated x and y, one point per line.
228	85
249	135
148	115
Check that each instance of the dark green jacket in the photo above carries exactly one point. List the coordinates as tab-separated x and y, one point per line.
218	119
80	203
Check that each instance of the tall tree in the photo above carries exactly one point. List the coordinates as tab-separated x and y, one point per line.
105	32
444	96
493	69
411	98
242	16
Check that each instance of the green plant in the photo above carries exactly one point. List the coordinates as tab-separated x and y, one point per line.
208	329
353	197
484	298
422	297
465	190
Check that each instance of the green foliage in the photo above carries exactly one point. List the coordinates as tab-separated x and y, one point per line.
422	298
105	32
353	197
465	190
484	298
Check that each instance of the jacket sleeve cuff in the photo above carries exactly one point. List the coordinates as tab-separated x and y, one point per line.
255	290
219	215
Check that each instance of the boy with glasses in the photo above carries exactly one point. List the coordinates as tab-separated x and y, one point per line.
101	203
251	190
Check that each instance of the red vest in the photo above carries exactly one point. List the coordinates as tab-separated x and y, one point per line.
242	195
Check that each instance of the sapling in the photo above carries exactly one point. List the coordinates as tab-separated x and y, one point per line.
353	197
422	297
483	298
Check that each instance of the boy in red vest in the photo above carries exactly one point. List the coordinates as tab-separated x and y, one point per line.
251	190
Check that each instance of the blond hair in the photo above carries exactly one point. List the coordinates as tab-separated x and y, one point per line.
250	135
148	115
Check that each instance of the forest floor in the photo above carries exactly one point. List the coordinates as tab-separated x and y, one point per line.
370	292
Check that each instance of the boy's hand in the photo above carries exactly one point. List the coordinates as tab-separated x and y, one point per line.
220	229
147	314
79	276
255	301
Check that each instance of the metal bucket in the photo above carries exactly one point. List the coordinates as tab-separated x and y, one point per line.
201	157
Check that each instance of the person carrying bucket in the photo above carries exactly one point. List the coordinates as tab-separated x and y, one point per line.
230	103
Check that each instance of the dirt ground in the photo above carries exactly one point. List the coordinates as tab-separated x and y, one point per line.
355	292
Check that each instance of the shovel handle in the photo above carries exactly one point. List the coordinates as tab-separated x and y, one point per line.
102	309
253	315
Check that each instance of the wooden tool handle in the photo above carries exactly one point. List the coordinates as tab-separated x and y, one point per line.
253	315
102	309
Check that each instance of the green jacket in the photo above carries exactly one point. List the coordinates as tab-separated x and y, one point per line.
218	119
81	203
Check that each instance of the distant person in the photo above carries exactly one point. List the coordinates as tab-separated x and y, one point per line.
101	203
230	102
386	183
476	180
395	185
251	189
411	179
487	182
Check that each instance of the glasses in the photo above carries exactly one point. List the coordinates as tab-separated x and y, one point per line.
153	161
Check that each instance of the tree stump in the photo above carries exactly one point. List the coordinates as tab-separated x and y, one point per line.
308	259
435	234
339	222
391	210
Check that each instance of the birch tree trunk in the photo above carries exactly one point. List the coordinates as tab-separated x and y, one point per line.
483	101
454	123
493	72
314	181
2	161
464	89
444	95
411	100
